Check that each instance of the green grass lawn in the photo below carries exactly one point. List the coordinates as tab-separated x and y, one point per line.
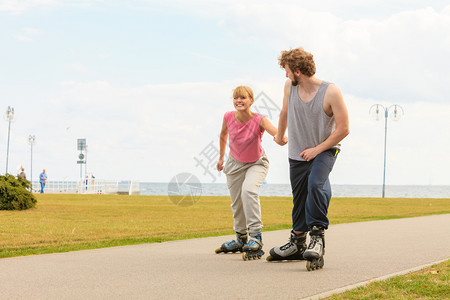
429	283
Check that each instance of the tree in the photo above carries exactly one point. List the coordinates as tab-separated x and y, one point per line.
15	193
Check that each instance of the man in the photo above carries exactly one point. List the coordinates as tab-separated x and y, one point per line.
43	180
316	117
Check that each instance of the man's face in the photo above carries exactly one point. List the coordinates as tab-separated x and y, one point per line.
291	75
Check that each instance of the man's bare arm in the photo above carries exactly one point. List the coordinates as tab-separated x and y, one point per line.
335	101
282	122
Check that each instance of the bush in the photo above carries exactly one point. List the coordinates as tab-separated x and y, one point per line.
15	193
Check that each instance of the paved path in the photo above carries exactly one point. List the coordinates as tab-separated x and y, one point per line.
190	269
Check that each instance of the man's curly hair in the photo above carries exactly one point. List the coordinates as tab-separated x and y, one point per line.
298	60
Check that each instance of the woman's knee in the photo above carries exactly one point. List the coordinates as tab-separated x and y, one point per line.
249	192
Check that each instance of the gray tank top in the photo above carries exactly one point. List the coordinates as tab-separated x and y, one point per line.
308	124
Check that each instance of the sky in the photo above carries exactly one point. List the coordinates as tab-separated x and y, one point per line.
146	83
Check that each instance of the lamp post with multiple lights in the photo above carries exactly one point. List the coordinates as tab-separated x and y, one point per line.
9	116
395	112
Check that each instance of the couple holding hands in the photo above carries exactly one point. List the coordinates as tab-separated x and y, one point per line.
315	115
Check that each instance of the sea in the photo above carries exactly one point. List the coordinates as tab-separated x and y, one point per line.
284	190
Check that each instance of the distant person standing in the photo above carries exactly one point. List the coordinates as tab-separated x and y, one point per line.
43	180
22	174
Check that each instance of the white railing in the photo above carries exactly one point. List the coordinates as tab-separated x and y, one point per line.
89	186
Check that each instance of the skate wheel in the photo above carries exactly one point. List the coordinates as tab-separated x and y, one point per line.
218	250
321	262
314	264
269	258
244	256
309	266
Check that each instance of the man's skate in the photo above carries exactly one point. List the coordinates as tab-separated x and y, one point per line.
316	249
253	248
234	245
293	250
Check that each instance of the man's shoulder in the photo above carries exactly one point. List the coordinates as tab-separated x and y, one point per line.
288	83
333	91
287	87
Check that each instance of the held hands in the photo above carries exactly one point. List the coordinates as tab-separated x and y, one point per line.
282	141
219	165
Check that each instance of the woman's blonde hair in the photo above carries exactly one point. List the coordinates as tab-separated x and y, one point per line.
243	91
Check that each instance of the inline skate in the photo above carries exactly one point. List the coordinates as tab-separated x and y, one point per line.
234	245
253	248
316	249
293	250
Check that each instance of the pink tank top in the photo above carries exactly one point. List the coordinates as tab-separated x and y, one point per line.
245	138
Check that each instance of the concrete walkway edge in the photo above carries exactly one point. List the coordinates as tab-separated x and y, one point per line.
364	283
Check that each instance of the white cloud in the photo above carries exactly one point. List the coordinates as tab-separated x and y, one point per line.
15	7
402	56
28	34
76	67
20	6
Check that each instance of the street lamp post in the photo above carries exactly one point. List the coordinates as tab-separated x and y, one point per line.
395	111
9	116
31	141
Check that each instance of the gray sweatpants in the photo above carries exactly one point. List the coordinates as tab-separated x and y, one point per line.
244	180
